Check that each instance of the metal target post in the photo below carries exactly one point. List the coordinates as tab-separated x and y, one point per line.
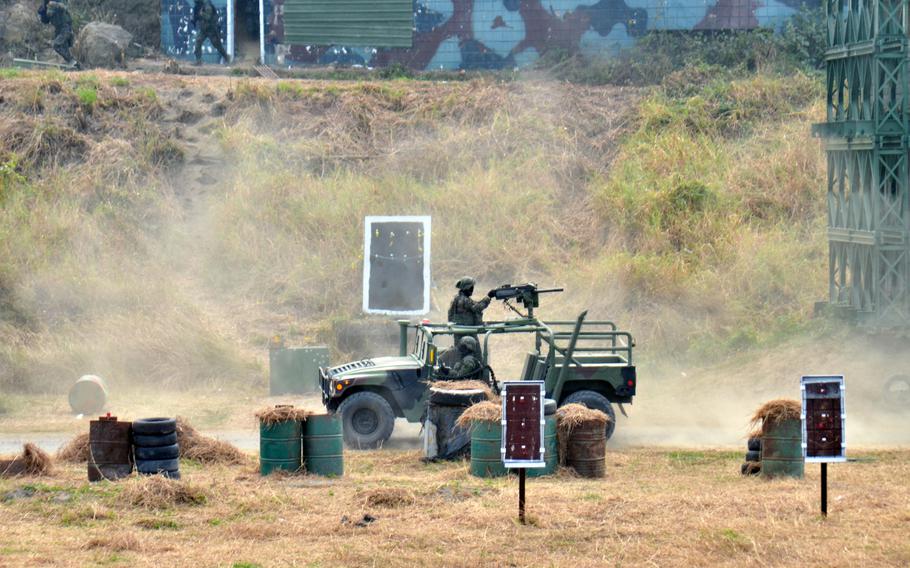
523	432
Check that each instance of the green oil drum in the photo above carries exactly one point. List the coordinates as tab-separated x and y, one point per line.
781	449
279	446
551	452
486	441
323	445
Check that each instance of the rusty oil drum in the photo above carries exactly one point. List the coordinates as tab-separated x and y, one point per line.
586	450
782	450
110	451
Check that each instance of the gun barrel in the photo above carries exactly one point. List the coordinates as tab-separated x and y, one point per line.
547	290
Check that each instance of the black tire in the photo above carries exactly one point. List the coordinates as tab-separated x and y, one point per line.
754	444
155	426
753	456
750	468
155	440
896	393
465	398
549	407
596	401
157	466
367	419
175	474
157	453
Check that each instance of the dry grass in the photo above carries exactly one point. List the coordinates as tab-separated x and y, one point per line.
159	492
486	411
388	497
33	462
664	508
76	450
281	413
204	449
773	412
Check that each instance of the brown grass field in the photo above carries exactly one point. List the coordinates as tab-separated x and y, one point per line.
657	508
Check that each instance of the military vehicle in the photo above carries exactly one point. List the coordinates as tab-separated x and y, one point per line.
588	362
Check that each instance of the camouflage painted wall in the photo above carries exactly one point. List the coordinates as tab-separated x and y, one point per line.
178	36
494	34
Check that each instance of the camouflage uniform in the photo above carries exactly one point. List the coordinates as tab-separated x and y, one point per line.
205	18
469	366
56	14
465	311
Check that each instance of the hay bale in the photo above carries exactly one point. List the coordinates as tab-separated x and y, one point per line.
281	413
773	412
389	497
570	417
159	492
485	411
76	450
33	461
204	449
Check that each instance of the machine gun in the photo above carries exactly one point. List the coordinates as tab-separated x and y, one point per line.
527	294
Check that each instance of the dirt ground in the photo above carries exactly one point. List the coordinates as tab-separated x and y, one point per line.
658	508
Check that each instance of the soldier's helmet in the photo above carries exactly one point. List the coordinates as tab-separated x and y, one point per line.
467	346
465	283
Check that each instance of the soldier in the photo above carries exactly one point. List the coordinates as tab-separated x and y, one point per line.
469	366
465	311
205	19
56	14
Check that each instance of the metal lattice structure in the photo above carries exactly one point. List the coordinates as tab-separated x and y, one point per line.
866	139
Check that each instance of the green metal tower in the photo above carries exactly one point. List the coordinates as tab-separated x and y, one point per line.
866	142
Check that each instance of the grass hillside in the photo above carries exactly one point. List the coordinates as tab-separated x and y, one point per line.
159	229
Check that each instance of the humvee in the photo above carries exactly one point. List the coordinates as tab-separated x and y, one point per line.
587	362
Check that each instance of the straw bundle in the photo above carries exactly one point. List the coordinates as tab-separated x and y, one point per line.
570	417
33	461
464	385
196	446
773	412
76	450
159	492
485	411
281	413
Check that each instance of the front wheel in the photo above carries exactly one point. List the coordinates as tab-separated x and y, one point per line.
595	401
368	420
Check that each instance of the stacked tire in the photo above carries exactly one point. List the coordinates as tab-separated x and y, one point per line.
155	447
752	465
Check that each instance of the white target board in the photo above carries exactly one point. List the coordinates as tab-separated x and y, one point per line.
396	265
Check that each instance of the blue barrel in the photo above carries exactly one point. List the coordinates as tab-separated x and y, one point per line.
323	445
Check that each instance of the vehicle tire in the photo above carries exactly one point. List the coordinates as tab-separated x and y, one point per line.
896	393
367	419
750	468
154	440
754	444
596	401
549	407
753	456
154	426
451	397
175	474
157	452
157	466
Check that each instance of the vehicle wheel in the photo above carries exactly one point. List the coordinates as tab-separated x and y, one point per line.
753	456
155	426
157	466
549	407
157	453
754	444
367	419
896	393
452	397
596	401
154	441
